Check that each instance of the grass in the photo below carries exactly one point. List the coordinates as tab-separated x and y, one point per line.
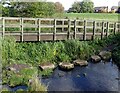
91	16
54	52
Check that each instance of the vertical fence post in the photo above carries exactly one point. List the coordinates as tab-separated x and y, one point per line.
54	33
84	33
115	28
63	25
94	28
74	29
3	33
69	23
3	27
22	29
102	34
107	31
36	26
39	29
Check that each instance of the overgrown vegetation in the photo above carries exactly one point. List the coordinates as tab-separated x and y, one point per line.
34	54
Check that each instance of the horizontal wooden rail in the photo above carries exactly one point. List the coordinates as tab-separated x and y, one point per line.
38	29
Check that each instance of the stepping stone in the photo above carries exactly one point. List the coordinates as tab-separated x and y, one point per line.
79	62
18	67
45	66
96	58
105	55
66	66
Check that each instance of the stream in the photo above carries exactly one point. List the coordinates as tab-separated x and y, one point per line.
94	77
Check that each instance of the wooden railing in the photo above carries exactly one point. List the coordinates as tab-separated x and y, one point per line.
39	29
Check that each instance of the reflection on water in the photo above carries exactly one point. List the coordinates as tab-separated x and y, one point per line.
94	77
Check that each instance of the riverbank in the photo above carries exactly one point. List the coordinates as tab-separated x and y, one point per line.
34	54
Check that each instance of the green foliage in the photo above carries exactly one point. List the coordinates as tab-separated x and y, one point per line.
85	50
32	9
76	8
46	73
36	86
63	57
8	50
86	6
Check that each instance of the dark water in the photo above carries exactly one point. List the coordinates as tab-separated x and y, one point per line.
15	88
94	77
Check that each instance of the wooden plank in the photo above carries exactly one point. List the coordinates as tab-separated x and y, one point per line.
30	25
84	33
46	19
61	19
36	24
47	26
94	29
107	30
30	19
21	22
3	33
102	34
79	26
11	18
14	34
11	26
54	34
89	27
61	26
69	28
75	29
39	32
115	26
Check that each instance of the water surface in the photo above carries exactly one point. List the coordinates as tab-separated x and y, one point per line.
94	77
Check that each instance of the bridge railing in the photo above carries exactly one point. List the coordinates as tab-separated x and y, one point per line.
39	29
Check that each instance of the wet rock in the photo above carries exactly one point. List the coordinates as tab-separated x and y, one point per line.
18	67
96	58
105	55
60	74
45	66
117	79
78	76
84	74
66	66
80	62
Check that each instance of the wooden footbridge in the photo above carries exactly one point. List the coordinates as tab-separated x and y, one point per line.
41	29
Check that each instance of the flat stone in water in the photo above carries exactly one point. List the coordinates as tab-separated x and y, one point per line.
47	66
105	55
66	66
80	62
96	58
18	67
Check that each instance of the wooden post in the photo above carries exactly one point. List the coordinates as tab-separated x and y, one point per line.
102	34
69	23
94	28
54	33
36	24
75	29
84	33
22	29
107	31
115	26
3	28
39	31
63	25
